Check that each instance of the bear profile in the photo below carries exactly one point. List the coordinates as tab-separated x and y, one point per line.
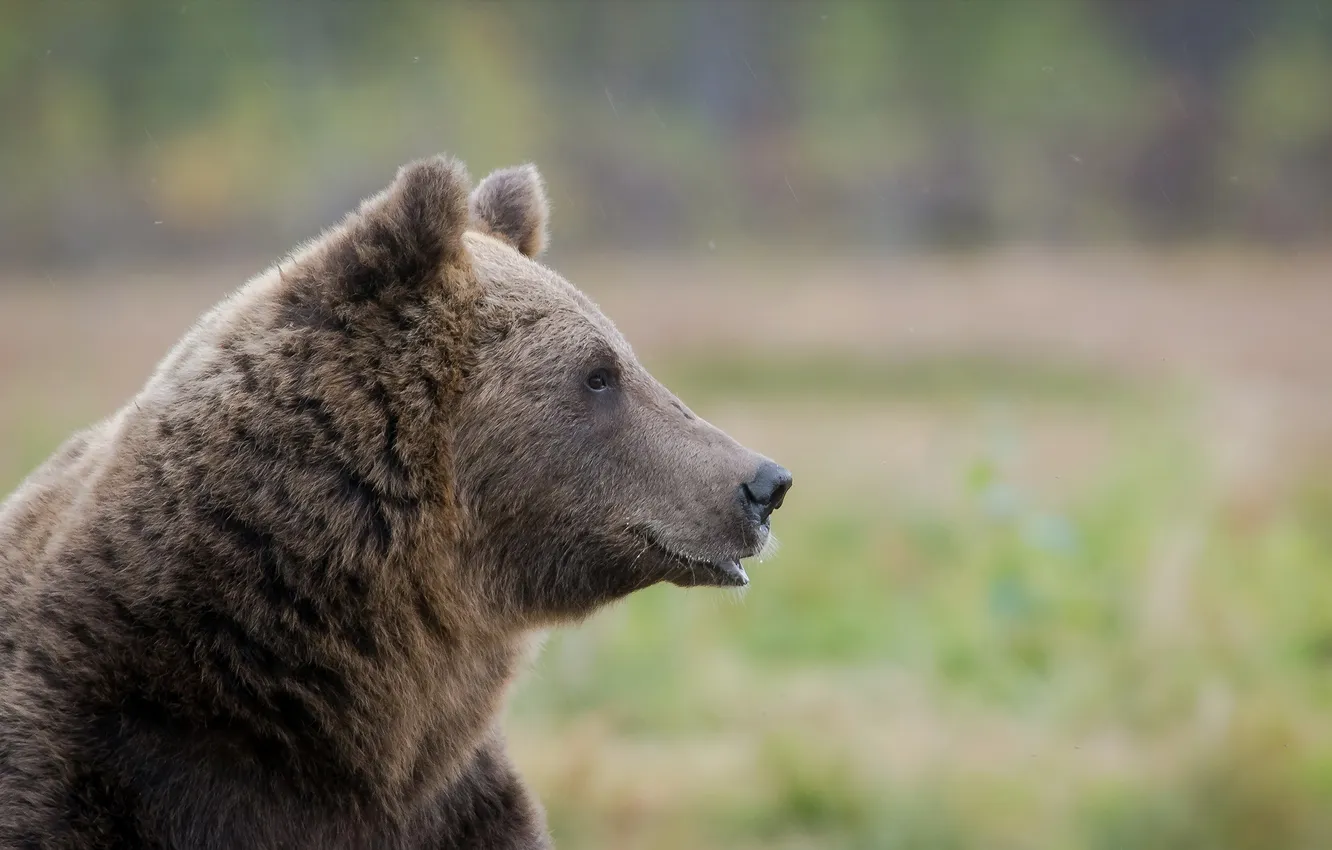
276	600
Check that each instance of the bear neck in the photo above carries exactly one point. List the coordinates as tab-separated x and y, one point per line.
287	549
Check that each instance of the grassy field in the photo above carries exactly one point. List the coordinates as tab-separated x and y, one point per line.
1056	572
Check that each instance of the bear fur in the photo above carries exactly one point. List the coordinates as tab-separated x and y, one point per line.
277	599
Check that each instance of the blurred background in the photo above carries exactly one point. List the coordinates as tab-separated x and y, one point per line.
1034	298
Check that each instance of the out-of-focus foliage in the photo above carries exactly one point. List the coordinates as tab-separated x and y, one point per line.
145	128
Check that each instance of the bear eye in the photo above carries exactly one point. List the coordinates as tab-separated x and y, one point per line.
598	380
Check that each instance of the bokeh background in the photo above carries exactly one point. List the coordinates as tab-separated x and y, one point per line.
1035	298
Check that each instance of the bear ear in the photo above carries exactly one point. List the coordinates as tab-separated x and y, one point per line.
511	204
405	234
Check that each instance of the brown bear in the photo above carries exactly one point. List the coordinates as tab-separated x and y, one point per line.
277	599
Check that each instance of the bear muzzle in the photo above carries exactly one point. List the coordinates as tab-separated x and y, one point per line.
758	498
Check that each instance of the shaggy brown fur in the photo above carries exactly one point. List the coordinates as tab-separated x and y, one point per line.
277	599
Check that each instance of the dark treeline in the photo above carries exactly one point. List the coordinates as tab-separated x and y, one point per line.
143	129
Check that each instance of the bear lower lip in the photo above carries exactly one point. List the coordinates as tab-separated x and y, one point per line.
731	571
725	572
722	572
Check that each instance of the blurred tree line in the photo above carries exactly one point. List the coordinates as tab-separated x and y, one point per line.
140	128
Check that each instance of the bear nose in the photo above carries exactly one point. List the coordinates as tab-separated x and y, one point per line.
765	493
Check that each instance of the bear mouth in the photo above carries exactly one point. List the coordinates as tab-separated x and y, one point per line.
692	571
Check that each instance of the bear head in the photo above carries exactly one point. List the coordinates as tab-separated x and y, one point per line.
586	477
570	476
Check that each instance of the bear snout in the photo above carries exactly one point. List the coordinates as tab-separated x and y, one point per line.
765	492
